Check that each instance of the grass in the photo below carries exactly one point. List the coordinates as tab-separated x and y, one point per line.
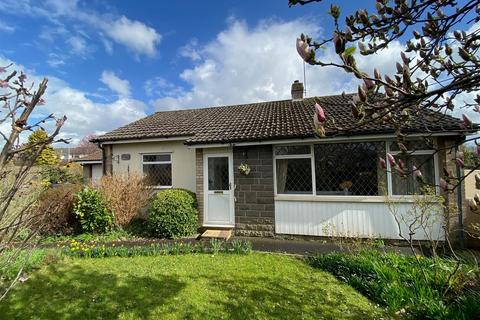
419	290
192	286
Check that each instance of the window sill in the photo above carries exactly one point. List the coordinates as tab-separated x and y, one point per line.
363	199
159	187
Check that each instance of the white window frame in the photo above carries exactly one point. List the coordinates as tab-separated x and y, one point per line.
158	162
420	152
294	156
344	198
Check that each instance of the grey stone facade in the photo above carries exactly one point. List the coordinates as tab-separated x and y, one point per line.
254	205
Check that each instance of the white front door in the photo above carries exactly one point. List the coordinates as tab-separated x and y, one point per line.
218	190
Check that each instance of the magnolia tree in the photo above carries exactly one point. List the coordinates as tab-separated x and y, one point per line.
85	146
18	100
438	68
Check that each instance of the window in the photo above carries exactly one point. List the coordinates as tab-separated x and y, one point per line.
158	169
349	169
293	166
422	158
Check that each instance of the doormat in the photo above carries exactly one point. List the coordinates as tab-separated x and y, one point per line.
217	233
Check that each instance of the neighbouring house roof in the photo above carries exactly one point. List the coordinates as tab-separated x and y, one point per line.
270	120
93	157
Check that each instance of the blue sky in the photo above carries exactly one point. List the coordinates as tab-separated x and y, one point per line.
110	63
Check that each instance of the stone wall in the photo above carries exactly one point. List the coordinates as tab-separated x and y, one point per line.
446	159
254	206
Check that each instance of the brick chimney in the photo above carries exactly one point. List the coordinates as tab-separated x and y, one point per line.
297	90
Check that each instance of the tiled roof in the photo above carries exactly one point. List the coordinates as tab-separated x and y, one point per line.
96	156
260	121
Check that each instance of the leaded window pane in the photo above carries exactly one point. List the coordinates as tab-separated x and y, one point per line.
290	150
407	184
294	176
412	145
156	157
349	169
158	174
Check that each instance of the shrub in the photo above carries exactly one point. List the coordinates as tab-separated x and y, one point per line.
91	211
173	214
398	282
124	195
55	209
61	174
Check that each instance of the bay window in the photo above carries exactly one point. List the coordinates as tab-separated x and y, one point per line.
350	169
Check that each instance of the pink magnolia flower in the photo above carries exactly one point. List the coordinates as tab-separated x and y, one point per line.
390	159
460	162
382	163
402	147
417	174
303	49
41	102
3	69
473	205
320	113
3	84
443	184
466	120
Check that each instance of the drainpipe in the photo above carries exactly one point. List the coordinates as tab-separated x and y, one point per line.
460	203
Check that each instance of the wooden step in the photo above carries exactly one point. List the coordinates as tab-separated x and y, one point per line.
224	234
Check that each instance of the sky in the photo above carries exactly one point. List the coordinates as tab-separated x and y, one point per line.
113	62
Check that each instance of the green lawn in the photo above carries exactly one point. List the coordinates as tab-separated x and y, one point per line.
202	286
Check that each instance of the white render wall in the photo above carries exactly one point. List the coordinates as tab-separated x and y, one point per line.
183	160
363	219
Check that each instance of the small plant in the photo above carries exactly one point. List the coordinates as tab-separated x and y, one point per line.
241	247
244	169
173	214
216	245
91	249
91	211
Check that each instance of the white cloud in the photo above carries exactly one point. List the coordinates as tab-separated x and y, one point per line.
85	116
190	50
78	45
6	28
160	87
244	64
120	86
137	36
247	64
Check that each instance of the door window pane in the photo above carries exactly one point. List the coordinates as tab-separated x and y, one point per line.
218	176
294	176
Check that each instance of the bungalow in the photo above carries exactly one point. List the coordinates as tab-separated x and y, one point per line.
259	168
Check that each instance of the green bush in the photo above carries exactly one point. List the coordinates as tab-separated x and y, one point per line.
173	214
91	211
54	174
403	285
